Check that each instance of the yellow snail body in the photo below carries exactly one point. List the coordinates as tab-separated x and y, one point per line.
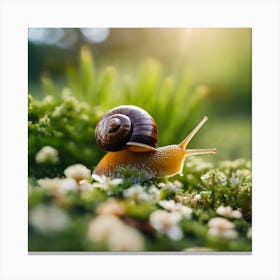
130	135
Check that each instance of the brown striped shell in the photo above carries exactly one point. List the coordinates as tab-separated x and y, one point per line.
127	127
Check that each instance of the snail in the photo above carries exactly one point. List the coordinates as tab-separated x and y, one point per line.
130	136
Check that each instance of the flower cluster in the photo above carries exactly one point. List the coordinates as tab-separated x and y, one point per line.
214	177
154	192
58	186
239	177
122	216
48	219
76	177
173	187
137	193
105	183
189	200
222	228
167	223
111	207
47	154
227	211
77	172
70	103
229	166
115	234
176	207
197	165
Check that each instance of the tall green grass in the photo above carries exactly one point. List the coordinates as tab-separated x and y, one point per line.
171	99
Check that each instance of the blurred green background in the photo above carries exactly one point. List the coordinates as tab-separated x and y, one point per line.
178	75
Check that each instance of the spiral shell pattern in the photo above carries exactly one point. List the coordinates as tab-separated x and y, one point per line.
125	124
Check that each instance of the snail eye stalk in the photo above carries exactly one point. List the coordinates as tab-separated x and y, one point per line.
186	141
192	152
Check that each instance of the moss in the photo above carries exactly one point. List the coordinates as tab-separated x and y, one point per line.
207	195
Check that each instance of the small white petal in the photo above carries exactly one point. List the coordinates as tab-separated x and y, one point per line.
115	234
97	178
236	214
230	234
220	223
77	172
48	219
249	233
167	204
175	233
69	184
116	182
47	154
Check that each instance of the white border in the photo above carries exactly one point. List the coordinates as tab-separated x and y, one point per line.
262	16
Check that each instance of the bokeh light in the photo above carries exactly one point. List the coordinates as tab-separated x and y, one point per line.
95	35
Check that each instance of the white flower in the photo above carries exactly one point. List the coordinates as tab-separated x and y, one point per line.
48	219
101	227
235	181
236	214
235	164
188	200
58	186
245	173
105	183
221	223
137	193
213	177
167	204
179	208
171	186
77	172
68	98
197	164
154	192
58	111
240	176
50	183
222	228
177	183
110	207
115	234
48	99
167	223
47	154
227	211
69	184
249	233
224	211
85	185
184	199
126	239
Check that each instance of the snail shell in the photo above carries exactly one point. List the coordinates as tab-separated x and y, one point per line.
127	127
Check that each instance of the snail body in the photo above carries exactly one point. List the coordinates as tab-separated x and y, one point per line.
154	163
133	144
